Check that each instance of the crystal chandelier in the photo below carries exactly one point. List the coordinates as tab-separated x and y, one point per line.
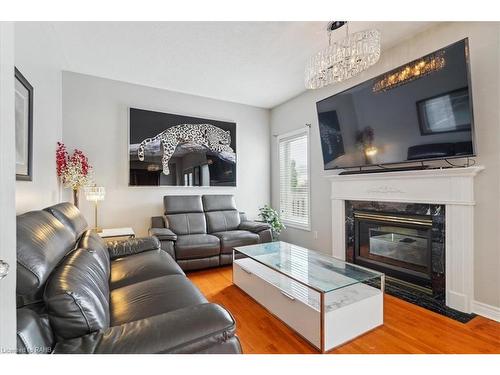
344	59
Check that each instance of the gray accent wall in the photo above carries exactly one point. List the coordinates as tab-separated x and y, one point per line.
485	74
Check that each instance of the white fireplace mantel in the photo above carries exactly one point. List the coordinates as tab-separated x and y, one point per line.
453	187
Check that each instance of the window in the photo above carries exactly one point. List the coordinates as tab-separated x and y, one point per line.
293	154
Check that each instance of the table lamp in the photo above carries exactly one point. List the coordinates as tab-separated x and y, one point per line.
95	194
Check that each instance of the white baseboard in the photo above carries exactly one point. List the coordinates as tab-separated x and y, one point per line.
488	311
457	301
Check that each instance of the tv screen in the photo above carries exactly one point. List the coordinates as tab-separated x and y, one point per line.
419	111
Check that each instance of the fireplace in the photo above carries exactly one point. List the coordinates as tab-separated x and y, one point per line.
406	241
399	245
445	194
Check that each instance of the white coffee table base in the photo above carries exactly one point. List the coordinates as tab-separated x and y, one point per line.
343	315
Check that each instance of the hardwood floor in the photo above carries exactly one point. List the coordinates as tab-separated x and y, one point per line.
407	328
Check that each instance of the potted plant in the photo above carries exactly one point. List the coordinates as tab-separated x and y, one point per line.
270	216
74	171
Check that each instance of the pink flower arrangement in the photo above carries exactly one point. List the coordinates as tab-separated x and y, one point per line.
75	171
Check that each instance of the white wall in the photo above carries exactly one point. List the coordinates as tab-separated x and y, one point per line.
7	186
95	120
38	57
485	59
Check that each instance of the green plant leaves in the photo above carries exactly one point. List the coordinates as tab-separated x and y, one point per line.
271	216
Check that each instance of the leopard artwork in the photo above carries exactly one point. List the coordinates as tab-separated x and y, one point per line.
207	135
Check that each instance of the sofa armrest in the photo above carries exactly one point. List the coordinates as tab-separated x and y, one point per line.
193	329
157	222
243	216
118	249
34	335
163	234
254	226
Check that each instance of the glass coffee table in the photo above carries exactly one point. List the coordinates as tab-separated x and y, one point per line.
325	300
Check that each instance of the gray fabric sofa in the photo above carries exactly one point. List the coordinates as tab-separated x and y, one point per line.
201	231
78	294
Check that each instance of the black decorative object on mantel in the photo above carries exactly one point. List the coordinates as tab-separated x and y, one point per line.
407	242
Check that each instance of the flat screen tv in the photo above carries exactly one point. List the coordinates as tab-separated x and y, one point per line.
417	112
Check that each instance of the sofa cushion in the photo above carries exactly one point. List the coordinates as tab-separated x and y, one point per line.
196	246
140	267
187	223
221	221
204	328
219	202
42	241
235	238
68	214
77	295
152	297
176	204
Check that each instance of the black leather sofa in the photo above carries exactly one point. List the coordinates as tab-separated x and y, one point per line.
201	231
77	294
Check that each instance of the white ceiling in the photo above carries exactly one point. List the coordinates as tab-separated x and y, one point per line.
255	63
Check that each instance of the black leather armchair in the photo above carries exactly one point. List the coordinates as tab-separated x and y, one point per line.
77	294
201	231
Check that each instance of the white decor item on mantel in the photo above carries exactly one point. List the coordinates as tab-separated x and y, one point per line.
343	59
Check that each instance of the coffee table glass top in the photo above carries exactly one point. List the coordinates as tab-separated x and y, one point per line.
319	272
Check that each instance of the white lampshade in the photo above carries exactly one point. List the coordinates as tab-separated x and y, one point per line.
95	193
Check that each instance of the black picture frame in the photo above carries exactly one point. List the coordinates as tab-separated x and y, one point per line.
460	103
28	176
191	164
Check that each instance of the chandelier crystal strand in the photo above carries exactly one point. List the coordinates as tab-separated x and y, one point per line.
344	59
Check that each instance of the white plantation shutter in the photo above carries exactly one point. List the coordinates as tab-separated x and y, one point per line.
293	151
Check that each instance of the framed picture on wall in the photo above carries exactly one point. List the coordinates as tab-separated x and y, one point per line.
24	127
445	113
167	149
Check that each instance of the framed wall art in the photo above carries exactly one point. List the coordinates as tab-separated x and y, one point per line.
168	149
24	127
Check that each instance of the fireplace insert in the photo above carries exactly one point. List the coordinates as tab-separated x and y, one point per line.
400	245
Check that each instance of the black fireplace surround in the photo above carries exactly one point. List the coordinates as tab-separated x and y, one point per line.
406	241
